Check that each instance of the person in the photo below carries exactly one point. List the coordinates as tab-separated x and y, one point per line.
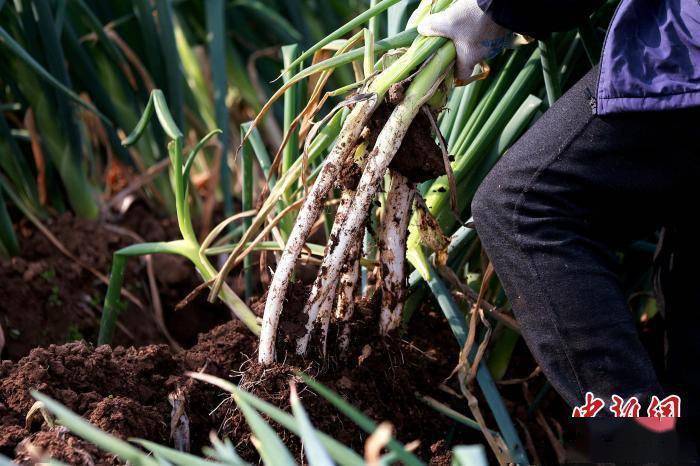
614	159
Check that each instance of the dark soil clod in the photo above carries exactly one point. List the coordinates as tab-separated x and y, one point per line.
419	158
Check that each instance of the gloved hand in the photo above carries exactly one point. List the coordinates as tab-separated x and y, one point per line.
475	35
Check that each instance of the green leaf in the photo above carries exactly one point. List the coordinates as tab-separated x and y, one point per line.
247	204
341	31
158	103
398	15
16	49
60	157
315	453
240	81
98	28
451	413
112	305
291	110
14	164
8	239
194	76
173	70
193	153
271	448
150	39
215	19
223	451
459	327
550	69
164	116
140	127
501	353
472	455
163	247
260	151
84	68
175	456
53	54
271	18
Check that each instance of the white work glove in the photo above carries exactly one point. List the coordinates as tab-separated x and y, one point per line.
475	35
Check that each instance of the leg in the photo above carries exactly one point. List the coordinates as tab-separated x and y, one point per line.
679	297
549	216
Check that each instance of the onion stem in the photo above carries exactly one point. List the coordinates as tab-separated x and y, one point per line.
392	251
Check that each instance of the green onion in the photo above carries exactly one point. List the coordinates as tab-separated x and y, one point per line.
189	246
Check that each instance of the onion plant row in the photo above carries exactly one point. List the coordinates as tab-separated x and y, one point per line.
76	76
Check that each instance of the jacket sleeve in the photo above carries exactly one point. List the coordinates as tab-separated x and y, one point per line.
538	18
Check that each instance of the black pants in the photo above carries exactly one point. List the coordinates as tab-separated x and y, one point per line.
552	213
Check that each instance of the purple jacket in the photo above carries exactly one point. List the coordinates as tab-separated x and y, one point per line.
651	54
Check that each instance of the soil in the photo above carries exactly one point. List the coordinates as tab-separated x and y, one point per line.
125	389
65	300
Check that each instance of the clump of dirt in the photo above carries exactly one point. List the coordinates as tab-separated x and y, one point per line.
80	376
419	158
381	377
349	176
441	453
271	383
126	418
12	430
122	390
222	350
293	326
60	445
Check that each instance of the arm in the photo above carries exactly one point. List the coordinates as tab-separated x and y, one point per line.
480	29
539	17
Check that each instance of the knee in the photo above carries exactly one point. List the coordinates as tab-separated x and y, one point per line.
489	208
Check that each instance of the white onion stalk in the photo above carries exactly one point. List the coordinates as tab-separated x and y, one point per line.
315	304
394	232
421	89
345	305
388	142
345	300
325	318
